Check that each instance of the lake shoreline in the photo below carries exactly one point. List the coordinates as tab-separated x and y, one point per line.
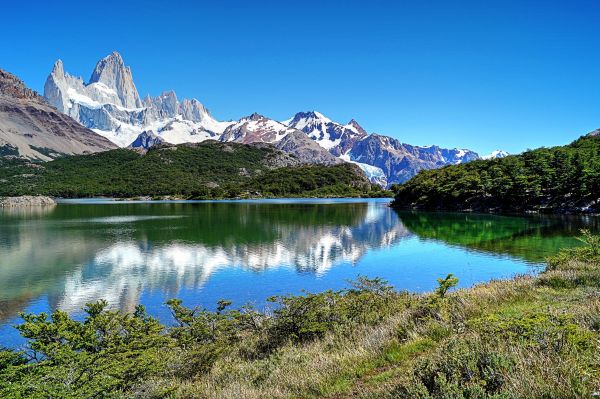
167	198
26	201
246	250
500	211
266	200
504	338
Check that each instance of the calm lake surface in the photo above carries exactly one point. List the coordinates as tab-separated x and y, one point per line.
128	253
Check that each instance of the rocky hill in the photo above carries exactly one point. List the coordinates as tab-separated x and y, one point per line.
32	128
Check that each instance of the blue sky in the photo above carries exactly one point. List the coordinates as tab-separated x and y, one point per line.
475	74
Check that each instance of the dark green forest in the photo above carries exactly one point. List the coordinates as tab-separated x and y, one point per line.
557	179
205	171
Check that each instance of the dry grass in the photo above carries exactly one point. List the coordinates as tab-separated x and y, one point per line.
542	331
324	367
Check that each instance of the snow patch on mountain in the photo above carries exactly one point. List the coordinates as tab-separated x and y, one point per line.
373	173
496	154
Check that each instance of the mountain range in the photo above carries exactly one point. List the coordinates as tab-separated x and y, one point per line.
111	113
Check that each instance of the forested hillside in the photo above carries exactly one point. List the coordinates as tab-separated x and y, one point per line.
557	179
206	170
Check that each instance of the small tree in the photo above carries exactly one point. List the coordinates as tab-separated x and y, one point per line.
445	284
592	242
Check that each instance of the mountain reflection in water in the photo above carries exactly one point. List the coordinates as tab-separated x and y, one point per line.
129	253
75	254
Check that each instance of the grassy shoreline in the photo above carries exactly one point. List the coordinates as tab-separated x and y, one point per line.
531	336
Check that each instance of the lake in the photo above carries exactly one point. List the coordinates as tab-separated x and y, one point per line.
134	252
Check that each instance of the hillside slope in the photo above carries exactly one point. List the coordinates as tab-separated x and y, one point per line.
557	179
30	127
206	170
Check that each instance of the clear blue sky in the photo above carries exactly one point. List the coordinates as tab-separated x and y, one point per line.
476	74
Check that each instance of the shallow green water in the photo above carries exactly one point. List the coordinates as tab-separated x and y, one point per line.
130	253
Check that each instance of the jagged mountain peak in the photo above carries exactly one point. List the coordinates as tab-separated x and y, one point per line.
146	140
316	115
168	94
167	104
255	128
307	117
115	55
111	63
29	123
194	110
594	133
110	104
353	124
333	136
254	117
58	68
113	58
112	72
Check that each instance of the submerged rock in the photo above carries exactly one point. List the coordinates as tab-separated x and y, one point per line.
27	200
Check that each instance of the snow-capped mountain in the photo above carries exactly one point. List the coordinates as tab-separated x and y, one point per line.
496	154
334	137
255	128
260	129
399	161
110	105
303	147
383	159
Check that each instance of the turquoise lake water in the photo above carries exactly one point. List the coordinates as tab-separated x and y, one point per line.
133	252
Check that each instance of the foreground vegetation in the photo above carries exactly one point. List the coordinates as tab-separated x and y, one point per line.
533	336
208	170
557	179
